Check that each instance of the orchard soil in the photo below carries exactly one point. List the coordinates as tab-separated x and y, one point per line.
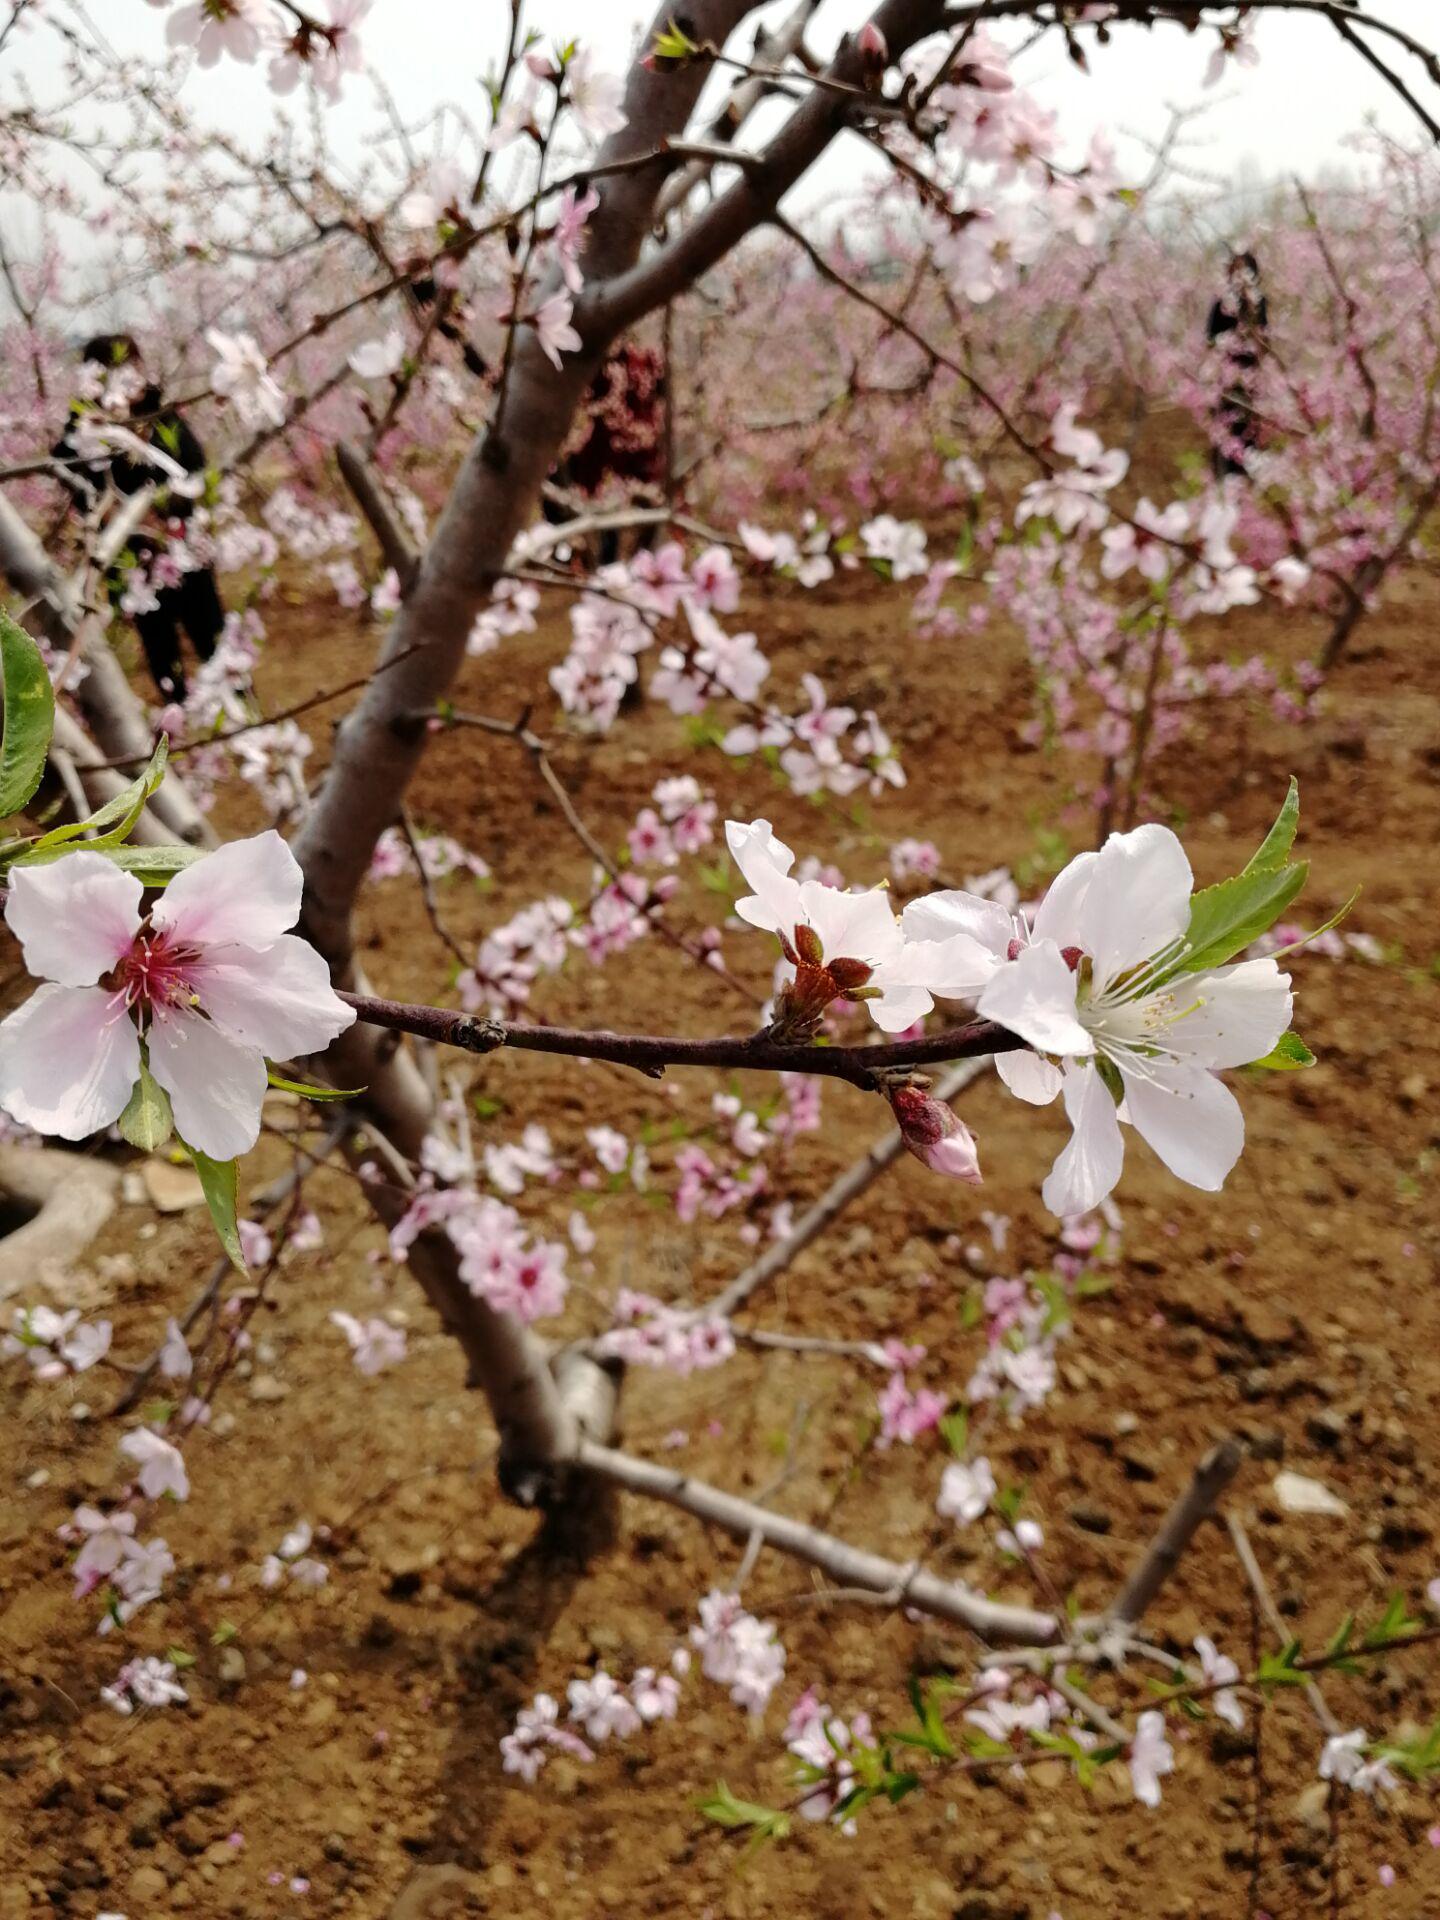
1298	1309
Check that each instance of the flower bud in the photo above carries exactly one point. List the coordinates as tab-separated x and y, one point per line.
933	1133
850	975
871	42
809	952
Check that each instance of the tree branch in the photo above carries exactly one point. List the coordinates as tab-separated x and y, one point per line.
651	1053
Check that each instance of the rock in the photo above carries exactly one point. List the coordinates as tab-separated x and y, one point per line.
444	1893
1139	1464
64	1200
172	1189
266	1388
146	1819
199	1790
1299	1494
147	1885
232	1666
1326	1428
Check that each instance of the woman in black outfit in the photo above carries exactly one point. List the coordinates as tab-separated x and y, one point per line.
194	601
1239	318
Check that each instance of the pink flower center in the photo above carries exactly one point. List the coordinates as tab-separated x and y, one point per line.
155	973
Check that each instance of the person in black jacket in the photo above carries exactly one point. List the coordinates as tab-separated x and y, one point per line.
1237	325
192	599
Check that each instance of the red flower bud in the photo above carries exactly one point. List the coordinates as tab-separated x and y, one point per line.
933	1133
850	974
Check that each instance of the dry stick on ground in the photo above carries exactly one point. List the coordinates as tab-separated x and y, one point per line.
851	1566
1177	1530
1259	1586
1264	1600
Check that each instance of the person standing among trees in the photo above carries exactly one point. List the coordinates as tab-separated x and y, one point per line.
165	591
1238	322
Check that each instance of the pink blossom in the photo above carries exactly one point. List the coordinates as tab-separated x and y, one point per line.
242	375
162	1466
904	1415
966	1490
209	979
374	1343
551	320
1149	1757
594	96
214	27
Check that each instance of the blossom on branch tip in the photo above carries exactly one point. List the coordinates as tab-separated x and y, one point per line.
1095	987
551	320
209	980
242	375
841	944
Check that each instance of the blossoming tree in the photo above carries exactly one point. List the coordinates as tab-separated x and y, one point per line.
175	978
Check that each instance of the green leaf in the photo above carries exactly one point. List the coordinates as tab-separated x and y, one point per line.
673	43
221	1183
1288	1055
147	1121
955	1431
307	1092
29	716
1274	849
224	1634
154	866
721	1806
125	808
1224	919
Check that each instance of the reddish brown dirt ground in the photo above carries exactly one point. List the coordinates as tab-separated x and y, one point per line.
1299	1310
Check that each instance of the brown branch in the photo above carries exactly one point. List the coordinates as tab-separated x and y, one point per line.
651	1053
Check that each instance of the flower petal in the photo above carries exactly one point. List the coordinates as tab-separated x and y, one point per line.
1057	917
73	918
1034	995
858	926
247	892
957	967
1191	1119
765	862
1029	1077
900	1005
216	1084
69	1059
1137	902
1088	1168
279	1000
939	915
1241	1012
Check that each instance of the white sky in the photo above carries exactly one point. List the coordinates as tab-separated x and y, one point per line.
1291	113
